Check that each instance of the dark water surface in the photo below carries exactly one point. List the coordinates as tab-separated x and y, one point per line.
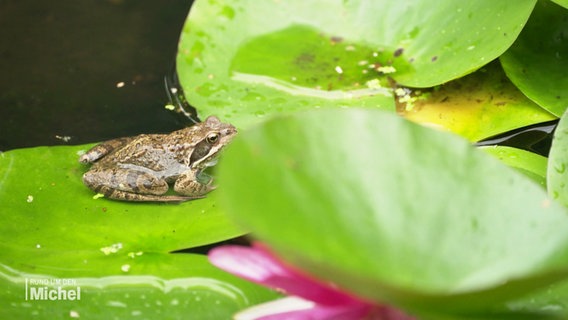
61	61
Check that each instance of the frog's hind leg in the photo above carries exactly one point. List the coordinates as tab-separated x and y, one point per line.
123	184
190	184
130	196
103	148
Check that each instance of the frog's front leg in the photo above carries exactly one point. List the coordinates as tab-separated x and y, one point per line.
130	185
188	184
103	148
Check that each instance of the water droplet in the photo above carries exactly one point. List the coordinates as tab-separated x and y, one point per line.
560	168
116	304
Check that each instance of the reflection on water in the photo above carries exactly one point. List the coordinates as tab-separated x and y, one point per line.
536	138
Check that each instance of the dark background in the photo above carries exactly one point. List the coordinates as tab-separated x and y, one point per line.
60	62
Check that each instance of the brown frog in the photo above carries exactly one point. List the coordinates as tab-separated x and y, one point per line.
139	168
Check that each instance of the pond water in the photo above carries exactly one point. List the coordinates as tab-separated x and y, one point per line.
536	138
79	71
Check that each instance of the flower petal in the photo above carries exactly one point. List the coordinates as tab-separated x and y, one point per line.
271	310
258	265
295	308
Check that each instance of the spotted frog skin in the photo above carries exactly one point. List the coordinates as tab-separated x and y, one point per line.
141	168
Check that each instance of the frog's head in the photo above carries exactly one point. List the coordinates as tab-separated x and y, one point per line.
216	135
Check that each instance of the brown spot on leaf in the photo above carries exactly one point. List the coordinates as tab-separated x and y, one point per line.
398	52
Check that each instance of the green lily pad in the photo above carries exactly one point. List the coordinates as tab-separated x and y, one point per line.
530	164
245	59
477	106
155	286
395	212
42	192
537	62
558	162
553	297
118	252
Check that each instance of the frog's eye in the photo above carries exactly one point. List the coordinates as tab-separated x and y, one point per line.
212	137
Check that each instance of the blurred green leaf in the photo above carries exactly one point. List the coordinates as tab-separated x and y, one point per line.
395	212
558	162
117	251
537	63
246	59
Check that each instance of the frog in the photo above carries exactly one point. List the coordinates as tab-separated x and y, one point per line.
142	167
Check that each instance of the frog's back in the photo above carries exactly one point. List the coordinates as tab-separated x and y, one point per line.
145	150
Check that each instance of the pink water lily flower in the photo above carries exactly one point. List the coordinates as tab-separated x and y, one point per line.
308	299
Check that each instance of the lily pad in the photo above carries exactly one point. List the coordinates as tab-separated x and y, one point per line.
563	3
530	164
118	252
558	162
476	106
246	59
395	212
155	286
553	297
537	62
53	200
